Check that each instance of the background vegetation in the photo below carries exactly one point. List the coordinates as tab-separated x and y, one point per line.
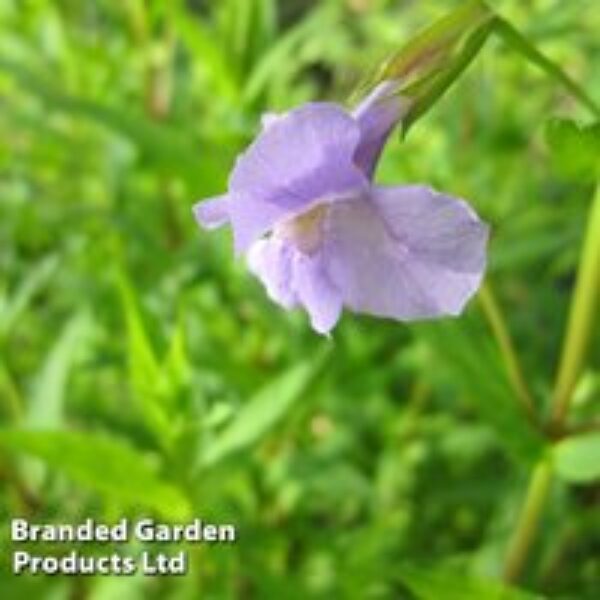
148	373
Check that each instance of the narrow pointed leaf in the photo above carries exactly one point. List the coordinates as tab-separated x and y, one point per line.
434	584
262	412
104	464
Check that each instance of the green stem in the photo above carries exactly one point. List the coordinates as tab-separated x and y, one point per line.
520	43
497	323
528	522
14	400
581	317
579	329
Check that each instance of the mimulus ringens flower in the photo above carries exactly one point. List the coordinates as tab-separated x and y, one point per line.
319	234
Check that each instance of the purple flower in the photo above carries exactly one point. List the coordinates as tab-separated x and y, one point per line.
319	234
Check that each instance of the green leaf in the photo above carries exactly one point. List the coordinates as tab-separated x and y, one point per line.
10	393
103	464
176	365
145	374
116	587
13	307
575	149
33	587
248	30
262	412
577	458
162	145
208	52
281	55
428	584
46	405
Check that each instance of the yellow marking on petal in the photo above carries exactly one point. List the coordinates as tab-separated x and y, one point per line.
305	231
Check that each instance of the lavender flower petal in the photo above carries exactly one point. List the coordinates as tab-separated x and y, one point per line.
299	158
212	213
437	228
292	277
377	115
271	261
316	292
375	256
249	219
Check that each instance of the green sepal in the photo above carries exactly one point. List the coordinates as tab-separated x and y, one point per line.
431	61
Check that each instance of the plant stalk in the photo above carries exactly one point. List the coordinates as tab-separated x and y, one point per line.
519	42
528	522
579	330
582	315
493	314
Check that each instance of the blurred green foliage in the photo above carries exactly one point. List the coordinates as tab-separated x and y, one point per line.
142	369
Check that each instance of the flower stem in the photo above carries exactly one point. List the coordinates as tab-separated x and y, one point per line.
492	312
528	522
519	42
581	317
